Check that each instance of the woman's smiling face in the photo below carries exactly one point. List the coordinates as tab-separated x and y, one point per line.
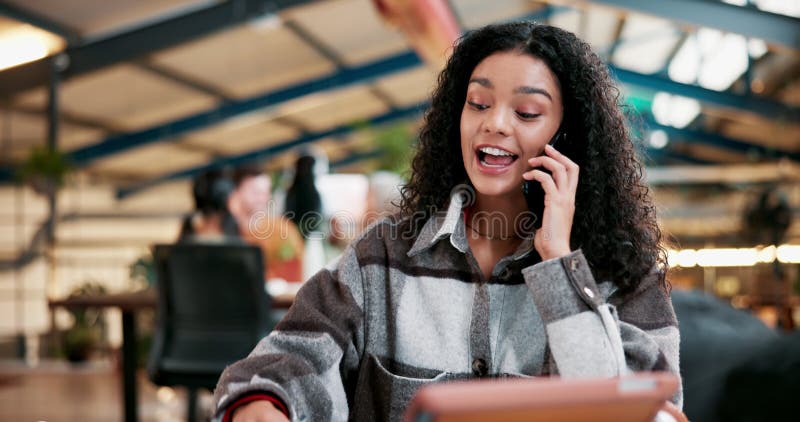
513	109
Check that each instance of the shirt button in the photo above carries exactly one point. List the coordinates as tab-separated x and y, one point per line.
479	367
588	292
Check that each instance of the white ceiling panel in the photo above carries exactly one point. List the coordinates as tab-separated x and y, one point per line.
282	162
646	43
26	131
126	96
241	135
570	20
411	87
247	60
111	230
477	13
151	160
174	196
339	148
369	39
601	26
324	111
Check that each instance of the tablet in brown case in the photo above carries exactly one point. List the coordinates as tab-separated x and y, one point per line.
636	397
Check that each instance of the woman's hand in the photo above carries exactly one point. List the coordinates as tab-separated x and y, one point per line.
673	411
552	239
259	411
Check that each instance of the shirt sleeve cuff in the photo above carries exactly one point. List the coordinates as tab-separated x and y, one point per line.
563	286
228	416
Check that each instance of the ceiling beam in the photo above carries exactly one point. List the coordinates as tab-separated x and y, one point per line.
183	79
357	157
749	21
141	42
781	171
748	103
70	35
264	153
69	117
320	47
719	141
339	79
653	156
171	130
381	68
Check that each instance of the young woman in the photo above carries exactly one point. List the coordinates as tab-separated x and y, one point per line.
458	285
211	221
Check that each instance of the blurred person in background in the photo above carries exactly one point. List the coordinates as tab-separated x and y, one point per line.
303	201
383	195
211	220
278	237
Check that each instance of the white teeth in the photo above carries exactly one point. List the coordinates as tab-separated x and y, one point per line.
495	151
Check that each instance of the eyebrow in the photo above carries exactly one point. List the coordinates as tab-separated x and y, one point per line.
532	90
521	90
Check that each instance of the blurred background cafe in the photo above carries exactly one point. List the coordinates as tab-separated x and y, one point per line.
135	135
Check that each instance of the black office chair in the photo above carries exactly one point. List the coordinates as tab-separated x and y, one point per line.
212	311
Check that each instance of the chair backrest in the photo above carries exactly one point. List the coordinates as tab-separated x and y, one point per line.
212	310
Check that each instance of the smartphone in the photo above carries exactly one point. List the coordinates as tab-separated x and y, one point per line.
534	194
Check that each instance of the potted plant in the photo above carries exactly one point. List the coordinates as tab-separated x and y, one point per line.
143	276
396	142
88	329
45	170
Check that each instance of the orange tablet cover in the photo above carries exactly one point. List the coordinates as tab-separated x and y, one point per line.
636	397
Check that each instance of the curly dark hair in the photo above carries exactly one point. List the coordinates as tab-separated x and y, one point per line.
615	219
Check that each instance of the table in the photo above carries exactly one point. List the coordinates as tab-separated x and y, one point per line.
130	303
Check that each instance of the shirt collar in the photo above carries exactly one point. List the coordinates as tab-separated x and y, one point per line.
451	224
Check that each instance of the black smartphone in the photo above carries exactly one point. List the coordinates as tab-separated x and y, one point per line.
534	194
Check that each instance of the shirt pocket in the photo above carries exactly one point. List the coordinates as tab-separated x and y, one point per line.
392	385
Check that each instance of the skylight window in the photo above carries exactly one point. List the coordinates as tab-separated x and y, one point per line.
724	62
783	7
756	47
646	43
686	64
714	59
674	110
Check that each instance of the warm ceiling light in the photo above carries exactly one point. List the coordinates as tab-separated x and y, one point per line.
742	257
26	43
727	257
789	254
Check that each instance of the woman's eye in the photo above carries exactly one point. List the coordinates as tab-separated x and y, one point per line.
528	115
477	106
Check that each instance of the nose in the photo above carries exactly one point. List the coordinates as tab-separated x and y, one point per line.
497	121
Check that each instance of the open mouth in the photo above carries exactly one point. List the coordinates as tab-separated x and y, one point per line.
495	157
